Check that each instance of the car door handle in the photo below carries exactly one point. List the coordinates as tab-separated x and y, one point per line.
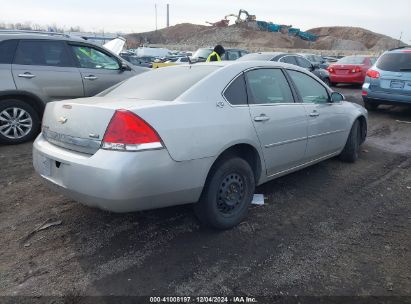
90	77
27	75
314	114
262	117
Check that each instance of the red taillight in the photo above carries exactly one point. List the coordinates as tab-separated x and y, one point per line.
373	74
331	70
356	70
128	132
364	93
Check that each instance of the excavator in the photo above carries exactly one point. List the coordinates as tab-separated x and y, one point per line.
225	22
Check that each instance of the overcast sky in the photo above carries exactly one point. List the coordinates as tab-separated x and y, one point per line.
386	17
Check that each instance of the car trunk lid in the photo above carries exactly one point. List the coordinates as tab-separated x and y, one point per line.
80	124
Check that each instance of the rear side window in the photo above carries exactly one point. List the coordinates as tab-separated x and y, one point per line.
7	49
236	93
268	86
44	53
395	62
311	91
289	59
304	63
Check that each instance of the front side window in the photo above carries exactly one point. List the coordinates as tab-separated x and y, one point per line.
311	91
43	53
236	93
268	86
92	58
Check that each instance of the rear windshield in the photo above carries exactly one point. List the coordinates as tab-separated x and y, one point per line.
395	62
352	60
161	84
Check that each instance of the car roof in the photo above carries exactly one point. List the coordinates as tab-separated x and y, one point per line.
400	49
244	65
6	35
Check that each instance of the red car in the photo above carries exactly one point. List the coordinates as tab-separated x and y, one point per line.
350	69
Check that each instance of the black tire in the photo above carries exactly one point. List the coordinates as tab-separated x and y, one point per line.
27	127
233	178
333	84
371	106
352	146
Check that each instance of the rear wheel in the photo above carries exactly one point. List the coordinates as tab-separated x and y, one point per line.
371	106
227	194
352	147
19	122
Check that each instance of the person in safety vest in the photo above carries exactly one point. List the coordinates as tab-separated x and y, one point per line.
216	54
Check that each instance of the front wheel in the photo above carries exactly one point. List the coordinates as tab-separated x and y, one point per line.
227	194
19	122
352	147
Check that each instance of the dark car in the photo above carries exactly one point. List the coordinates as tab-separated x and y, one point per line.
290	58
316	59
202	54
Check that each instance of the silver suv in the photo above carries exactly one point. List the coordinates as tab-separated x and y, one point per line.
36	68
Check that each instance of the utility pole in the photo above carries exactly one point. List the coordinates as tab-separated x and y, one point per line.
399	41
168	15
155	8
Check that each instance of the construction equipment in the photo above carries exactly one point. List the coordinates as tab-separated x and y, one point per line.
248	17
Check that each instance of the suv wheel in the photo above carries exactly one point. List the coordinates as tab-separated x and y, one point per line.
370	106
227	194
19	122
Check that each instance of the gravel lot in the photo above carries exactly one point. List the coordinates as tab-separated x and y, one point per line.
332	229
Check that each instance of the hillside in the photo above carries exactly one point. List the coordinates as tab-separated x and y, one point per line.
247	36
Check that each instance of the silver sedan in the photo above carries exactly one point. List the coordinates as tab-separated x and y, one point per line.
206	134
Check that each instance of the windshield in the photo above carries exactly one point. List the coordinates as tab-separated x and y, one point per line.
262	57
164	84
352	60
395	62
202	53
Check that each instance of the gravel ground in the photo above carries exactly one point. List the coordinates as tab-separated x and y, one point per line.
331	229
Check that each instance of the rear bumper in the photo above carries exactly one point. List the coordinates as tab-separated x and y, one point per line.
386	98
121	181
347	78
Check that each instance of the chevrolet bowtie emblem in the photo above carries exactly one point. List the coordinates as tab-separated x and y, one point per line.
62	120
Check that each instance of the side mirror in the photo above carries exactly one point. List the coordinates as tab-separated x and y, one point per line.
124	66
337	97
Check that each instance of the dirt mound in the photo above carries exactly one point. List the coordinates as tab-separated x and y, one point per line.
352	38
247	36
